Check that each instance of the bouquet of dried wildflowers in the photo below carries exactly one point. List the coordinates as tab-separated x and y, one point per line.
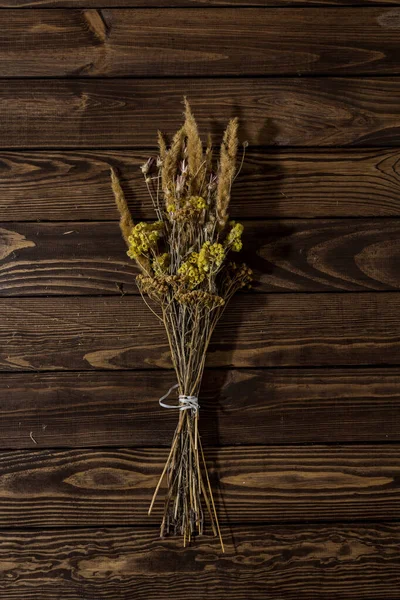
188	276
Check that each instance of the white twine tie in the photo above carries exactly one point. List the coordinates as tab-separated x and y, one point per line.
185	402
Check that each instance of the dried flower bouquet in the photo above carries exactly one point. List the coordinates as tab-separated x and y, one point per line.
188	277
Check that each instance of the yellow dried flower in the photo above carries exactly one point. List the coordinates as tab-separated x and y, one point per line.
210	255
161	263
199	298
237	245
198	202
143	237
233	241
155	287
193	258
173	280
189	208
241	275
191	274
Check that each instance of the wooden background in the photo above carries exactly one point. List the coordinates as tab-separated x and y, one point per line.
300	402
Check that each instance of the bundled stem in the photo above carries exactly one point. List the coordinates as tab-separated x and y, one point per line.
186	273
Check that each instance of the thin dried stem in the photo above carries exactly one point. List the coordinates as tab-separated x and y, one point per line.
212	497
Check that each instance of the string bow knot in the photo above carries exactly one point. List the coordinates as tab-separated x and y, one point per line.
185	402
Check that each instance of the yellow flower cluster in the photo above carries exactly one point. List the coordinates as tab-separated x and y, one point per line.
199	264
210	255
241	274
191	273
161	263
153	286
143	237
199	298
234	241
198	202
188	209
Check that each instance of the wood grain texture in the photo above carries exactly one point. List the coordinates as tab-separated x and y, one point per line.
300	255
310	561
230	41
157	4
82	436
76	113
73	185
56	488
256	331
237	407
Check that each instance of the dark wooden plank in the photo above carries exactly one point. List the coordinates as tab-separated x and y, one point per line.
230	41
74	185
185	3
283	112
257	330
237	407
48	488
292	562
301	255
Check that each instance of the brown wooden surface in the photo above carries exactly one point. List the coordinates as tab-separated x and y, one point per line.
76	113
238	407
72	185
157	4
354	562
298	255
300	400
56	488
230	41
256	331
325	561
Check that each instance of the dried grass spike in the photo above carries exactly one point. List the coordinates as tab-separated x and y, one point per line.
227	169
209	153
162	145
194	149
126	221
171	162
